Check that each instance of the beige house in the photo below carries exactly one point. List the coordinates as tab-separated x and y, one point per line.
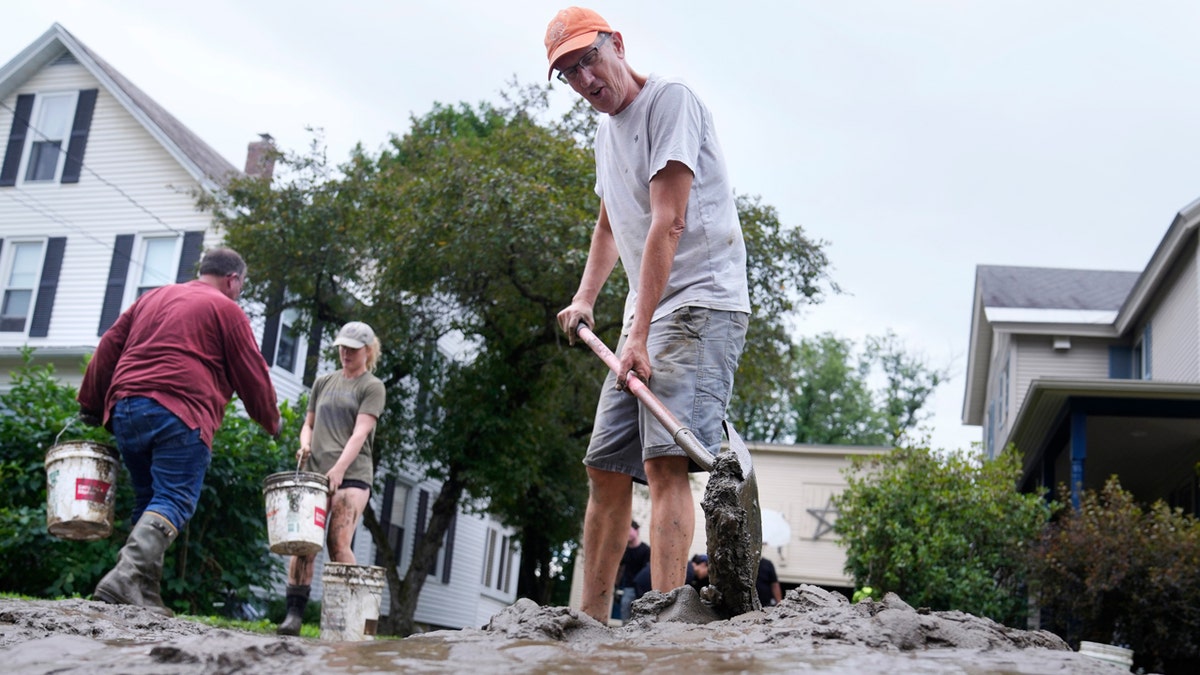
1093	373
796	485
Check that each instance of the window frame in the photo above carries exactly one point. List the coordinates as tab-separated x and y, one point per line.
36	133
137	265
7	259
287	327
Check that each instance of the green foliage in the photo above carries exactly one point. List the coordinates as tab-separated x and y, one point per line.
220	557
36	412
819	390
944	532
1117	573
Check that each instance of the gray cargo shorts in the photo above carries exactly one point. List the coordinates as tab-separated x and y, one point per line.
694	353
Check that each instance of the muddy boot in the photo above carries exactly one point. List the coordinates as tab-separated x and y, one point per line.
297	600
136	578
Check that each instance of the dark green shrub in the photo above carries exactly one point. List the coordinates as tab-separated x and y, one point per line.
1116	573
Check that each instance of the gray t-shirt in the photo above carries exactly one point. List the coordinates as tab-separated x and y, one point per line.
337	403
668	122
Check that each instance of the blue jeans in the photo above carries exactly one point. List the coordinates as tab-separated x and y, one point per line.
167	461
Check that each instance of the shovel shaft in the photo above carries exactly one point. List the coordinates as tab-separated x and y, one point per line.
683	436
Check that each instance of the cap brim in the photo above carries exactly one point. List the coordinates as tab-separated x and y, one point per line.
347	342
577	42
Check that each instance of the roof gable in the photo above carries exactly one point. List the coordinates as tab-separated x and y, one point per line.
200	160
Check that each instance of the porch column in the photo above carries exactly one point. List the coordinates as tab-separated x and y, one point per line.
1078	454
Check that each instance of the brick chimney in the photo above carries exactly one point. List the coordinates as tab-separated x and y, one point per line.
260	157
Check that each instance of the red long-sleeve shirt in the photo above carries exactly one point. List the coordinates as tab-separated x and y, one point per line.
189	348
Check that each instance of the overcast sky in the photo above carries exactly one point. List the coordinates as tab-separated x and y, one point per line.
918	139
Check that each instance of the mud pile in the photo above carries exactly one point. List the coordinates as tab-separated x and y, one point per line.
675	632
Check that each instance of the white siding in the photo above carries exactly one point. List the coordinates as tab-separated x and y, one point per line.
92	212
1036	358
463	602
1174	325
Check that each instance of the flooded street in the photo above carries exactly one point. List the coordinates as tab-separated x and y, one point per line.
811	632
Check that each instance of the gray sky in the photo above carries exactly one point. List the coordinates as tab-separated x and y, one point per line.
917	138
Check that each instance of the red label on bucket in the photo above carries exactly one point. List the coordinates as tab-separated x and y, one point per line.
319	518
90	489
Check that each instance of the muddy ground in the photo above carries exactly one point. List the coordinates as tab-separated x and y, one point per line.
810	632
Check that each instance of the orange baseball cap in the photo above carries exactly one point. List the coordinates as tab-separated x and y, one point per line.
572	28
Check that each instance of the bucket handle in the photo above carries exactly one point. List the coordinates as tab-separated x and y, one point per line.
70	423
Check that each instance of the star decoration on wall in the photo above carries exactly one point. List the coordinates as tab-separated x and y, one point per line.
825	518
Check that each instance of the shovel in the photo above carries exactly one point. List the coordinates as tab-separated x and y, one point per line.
733	519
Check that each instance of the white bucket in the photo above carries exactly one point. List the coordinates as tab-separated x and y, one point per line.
81	489
1107	653
350	601
297	505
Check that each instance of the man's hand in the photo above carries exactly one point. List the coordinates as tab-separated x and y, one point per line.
91	418
635	361
569	318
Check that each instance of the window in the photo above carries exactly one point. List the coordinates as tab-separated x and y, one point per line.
1141	356
24	266
289	341
498	561
395	504
157	263
47	139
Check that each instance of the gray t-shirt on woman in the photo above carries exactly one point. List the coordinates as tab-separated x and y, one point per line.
337	403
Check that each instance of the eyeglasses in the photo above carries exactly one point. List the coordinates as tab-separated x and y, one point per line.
566	75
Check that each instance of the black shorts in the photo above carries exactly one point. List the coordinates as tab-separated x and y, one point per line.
350	482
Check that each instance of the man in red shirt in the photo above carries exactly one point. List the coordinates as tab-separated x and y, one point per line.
160	380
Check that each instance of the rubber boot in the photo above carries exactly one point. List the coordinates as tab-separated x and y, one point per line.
297	600
137	576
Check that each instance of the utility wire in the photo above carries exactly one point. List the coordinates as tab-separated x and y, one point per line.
117	189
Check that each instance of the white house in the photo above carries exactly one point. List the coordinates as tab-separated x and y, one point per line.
97	205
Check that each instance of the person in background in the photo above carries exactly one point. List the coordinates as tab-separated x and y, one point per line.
159	381
336	440
667	212
635	559
770	593
699	576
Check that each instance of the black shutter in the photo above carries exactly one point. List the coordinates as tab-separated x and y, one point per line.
118	270
16	141
422	513
79	135
48	287
189	256
449	555
271	330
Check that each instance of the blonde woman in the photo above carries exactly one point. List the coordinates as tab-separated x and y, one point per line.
336	441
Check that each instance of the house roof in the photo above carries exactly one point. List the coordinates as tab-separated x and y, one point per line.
204	163
1036	300
1051	288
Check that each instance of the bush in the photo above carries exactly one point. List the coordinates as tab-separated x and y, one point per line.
947	532
1115	573
221	557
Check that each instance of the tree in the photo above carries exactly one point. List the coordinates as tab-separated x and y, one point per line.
942	531
459	242
221	556
1113	571
821	392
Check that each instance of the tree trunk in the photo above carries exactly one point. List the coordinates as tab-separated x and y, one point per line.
404	592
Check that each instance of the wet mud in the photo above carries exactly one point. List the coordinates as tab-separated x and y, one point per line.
811	631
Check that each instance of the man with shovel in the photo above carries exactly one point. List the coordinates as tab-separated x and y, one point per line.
667	212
